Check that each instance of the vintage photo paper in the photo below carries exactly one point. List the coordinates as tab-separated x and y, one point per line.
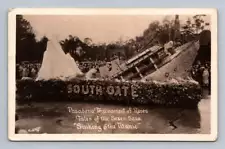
112	74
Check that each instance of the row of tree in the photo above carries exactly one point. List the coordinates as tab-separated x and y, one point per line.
29	49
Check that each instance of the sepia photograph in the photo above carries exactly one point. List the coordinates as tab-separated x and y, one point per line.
112	74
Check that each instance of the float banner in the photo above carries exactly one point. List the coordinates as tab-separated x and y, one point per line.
181	94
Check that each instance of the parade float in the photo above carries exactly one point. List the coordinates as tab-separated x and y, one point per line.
152	77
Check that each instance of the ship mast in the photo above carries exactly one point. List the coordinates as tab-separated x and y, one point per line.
176	26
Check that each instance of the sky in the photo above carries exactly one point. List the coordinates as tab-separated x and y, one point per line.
100	28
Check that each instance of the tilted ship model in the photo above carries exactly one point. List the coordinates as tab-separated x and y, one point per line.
155	64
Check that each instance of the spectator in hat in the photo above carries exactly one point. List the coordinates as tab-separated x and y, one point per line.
205	77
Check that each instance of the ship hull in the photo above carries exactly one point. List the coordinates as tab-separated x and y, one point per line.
178	65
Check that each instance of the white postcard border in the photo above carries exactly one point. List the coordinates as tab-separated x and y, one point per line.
110	137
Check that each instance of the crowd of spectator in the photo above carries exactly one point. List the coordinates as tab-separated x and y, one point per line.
30	70
202	74
27	70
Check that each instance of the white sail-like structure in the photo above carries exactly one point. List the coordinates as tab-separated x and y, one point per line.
56	64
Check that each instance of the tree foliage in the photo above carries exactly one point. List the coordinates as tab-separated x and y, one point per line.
193	27
27	48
